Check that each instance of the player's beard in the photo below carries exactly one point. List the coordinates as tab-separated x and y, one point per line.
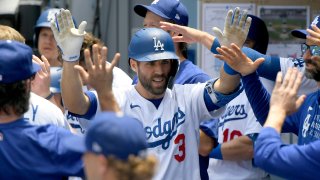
312	73
147	84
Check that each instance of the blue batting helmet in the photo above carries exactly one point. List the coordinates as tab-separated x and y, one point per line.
44	21
153	44
55	75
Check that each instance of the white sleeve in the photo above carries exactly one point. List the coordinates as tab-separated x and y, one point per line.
120	78
308	85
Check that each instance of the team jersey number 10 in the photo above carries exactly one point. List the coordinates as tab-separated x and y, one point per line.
229	136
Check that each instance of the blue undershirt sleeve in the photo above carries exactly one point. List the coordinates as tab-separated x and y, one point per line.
92	108
257	95
268	69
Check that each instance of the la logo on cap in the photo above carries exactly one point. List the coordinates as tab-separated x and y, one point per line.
157	44
315	21
155	1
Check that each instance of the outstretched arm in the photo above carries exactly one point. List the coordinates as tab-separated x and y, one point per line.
288	161
235	31
99	76
69	40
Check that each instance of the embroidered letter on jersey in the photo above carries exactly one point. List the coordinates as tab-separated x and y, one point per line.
164	131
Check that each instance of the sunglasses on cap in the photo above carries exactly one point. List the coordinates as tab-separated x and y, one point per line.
314	50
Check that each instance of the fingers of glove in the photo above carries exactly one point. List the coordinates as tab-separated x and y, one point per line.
59	21
247	26
82	27
243	18
54	29
69	19
218	33
235	20
65	26
228	20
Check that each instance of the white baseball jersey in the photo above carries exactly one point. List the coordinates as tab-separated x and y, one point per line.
43	112
239	120
172	129
80	123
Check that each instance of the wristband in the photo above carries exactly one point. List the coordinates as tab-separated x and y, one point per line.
229	70
49	96
216	153
214	46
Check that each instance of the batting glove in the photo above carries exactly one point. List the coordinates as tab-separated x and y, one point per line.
235	29
68	38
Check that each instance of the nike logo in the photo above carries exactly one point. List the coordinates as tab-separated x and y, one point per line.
134	106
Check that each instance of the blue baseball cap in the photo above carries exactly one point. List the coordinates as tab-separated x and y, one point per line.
167	9
55	79
259	33
110	134
16	62
302	33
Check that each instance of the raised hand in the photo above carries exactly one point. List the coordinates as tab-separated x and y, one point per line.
313	36
99	72
40	85
237	60
235	30
69	39
284	95
188	35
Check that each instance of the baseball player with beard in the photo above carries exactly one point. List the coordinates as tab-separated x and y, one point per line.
170	117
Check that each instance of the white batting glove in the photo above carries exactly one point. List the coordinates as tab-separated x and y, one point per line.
68	38
235	29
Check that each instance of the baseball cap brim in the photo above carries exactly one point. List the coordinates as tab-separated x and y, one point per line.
157	56
141	10
75	143
299	33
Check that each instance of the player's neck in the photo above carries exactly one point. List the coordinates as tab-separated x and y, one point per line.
5	118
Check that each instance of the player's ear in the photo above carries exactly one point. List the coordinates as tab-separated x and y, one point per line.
133	65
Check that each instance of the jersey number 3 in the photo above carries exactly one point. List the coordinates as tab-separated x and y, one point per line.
180	140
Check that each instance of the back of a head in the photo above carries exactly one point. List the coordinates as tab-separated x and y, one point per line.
88	41
8	33
16	66
259	33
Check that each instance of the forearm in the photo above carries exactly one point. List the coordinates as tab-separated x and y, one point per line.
108	102
226	84
206	144
71	90
238	149
206	39
275	119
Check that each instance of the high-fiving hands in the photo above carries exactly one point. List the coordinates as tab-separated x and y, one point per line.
68	38
235	30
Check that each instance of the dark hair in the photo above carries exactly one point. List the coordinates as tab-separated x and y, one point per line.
259	33
88	41
15	97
